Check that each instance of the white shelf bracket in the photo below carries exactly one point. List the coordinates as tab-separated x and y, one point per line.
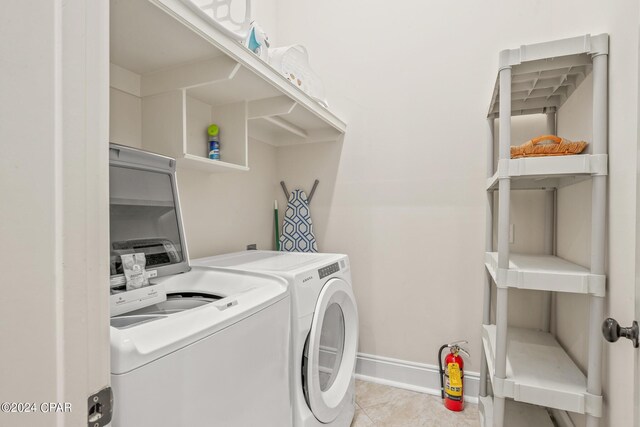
287	126
269	107
188	76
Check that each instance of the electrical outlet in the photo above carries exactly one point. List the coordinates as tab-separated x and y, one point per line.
512	233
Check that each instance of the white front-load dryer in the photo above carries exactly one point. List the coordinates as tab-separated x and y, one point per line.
324	330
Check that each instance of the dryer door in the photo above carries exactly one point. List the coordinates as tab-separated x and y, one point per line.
330	352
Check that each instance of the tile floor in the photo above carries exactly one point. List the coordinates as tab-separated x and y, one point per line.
380	405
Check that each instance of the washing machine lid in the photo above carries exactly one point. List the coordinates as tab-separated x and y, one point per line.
145	215
331	351
270	261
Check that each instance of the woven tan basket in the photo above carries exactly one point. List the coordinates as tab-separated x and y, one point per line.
555	147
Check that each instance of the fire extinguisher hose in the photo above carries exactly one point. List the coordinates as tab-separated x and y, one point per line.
441	370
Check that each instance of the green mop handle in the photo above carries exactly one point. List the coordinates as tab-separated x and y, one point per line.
275	216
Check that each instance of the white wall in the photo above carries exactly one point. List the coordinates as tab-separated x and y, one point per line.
406	199
25	210
53	217
225	212
527	218
126	118
265	13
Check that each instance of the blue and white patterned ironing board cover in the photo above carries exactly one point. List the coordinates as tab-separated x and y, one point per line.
297	230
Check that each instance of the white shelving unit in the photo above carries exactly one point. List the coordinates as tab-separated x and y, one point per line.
189	74
530	373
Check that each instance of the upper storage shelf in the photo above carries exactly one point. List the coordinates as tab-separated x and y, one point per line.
544	75
548	172
159	36
189	74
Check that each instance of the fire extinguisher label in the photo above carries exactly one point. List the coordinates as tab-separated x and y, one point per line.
453	381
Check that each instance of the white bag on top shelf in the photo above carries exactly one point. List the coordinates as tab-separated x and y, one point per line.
293	63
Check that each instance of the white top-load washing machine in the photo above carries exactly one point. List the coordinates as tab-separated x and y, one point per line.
197	346
324	330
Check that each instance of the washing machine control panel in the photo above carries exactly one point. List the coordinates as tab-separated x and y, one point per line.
328	270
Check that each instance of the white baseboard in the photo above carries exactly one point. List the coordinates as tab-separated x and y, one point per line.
423	378
410	375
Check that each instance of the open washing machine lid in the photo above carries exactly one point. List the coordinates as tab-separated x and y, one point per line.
144	213
330	351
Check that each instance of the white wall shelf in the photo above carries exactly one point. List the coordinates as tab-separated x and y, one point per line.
251	62
206	165
516	414
526	365
548	172
219	80
539	372
544	273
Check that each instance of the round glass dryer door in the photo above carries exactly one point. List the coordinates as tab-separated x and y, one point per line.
330	351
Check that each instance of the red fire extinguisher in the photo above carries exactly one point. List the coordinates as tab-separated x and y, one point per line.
452	375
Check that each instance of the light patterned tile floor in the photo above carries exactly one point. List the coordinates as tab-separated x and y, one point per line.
384	406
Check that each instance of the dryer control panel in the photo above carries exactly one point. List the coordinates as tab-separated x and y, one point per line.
328	270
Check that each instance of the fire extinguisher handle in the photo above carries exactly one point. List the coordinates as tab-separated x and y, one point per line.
456	347
464	352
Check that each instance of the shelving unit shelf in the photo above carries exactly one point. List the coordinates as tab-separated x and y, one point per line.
516	414
531	374
538	173
544	273
539	372
190	74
